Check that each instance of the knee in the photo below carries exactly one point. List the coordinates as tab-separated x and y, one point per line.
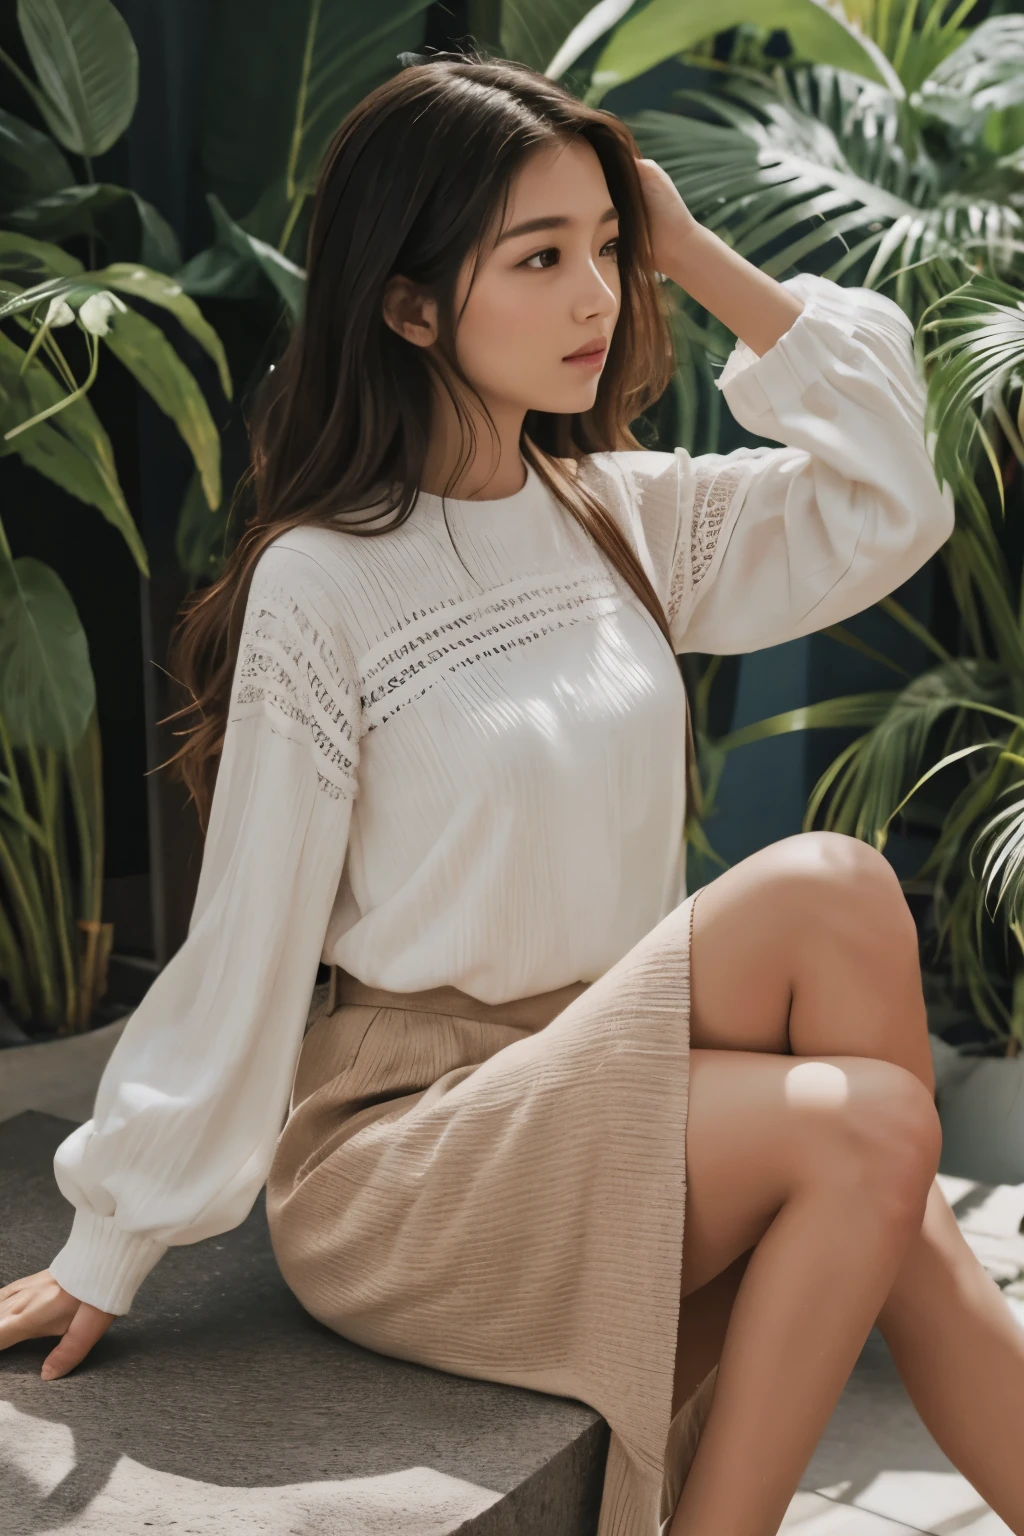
884	1133
847	885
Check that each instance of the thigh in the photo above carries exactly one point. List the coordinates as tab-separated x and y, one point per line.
812	912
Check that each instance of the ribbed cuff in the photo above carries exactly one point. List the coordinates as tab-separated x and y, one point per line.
756	387
102	1264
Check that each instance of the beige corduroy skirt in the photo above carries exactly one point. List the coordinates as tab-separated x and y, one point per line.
498	1191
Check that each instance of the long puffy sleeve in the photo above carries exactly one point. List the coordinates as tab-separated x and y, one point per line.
190	1106
763	545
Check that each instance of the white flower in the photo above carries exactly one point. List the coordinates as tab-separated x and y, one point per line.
59	313
96	311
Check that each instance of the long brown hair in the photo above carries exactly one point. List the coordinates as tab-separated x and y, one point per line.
412	177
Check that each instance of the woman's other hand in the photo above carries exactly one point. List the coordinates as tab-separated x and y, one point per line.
36	1307
669	219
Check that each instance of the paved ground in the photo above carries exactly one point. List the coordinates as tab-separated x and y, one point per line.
876	1471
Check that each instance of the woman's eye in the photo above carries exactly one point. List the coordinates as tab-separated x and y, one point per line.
554	248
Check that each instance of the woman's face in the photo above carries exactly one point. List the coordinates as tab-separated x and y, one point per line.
541	294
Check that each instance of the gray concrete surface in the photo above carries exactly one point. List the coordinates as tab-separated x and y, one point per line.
218	1405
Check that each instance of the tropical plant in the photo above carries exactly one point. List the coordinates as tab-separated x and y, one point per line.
269	117
54	946
908	177
966	712
893	159
971	216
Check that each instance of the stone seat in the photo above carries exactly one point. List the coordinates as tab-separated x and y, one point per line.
217	1405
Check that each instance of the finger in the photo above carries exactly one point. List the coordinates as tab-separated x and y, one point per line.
87	1325
29	1321
16	1285
33	1310
13	1330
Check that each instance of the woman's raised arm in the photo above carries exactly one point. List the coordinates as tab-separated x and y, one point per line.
764	545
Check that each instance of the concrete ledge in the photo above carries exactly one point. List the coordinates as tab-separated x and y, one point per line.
218	1405
57	1076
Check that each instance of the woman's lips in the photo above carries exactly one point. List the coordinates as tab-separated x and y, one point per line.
588	359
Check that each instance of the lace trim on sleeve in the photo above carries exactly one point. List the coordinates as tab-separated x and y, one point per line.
713	495
290	669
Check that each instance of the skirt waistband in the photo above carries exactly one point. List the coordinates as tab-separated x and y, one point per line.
532	1012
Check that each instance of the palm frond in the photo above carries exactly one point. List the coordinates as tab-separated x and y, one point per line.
978	357
814	165
985	74
873	789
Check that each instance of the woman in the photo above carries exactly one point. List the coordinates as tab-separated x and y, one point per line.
452	756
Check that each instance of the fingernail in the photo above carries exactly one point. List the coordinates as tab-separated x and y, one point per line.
48	1372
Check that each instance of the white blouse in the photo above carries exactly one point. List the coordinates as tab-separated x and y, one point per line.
434	773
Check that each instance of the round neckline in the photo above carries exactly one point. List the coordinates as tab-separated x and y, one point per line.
470	507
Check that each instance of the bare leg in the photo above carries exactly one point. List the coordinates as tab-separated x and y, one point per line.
703	1319
956	1344
960	1352
847	980
814	1282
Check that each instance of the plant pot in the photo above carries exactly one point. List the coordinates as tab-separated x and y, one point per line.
59	1076
12	1034
980	1100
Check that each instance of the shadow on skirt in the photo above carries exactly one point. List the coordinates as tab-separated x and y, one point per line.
498	1191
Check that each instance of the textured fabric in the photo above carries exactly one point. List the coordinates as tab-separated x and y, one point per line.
499	1191
455	756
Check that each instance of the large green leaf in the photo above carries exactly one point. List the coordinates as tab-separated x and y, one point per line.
550	35
666	28
33	261
87	66
280	79
156	288
32	165
47	692
37	298
144	349
238	265
71	448
344	59
122	219
199	533
915	35
137	282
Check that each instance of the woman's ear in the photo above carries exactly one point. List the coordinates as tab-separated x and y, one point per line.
410	312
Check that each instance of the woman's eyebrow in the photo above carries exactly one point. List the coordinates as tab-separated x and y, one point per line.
551	221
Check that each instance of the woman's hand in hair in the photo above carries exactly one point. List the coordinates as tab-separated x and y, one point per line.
37	1307
668	217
